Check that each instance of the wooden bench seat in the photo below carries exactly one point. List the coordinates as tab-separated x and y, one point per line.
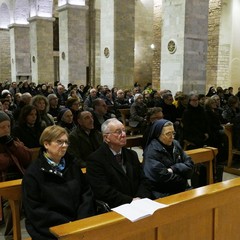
125	115
231	151
209	213
134	141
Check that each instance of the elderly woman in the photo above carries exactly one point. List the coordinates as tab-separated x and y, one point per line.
138	112
165	164
54	188
65	119
14	159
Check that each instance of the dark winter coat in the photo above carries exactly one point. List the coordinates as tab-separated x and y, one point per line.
51	197
157	160
110	183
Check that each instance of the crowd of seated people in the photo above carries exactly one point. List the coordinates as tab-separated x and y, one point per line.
92	132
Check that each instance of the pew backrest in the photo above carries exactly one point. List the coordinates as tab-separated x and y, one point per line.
203	213
12	190
228	129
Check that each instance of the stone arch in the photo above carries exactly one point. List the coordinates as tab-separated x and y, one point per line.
4	16
21	12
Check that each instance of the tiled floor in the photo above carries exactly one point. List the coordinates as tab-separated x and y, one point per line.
226	176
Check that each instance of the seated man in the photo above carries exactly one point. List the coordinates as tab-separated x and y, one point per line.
84	139
99	113
114	172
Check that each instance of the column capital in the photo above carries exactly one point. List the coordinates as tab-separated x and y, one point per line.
16	25
70	6
36	18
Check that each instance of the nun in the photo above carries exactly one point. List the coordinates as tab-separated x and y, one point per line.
165	163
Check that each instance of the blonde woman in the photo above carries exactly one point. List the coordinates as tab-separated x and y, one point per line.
54	188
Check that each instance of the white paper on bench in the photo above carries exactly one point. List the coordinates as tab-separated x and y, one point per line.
138	209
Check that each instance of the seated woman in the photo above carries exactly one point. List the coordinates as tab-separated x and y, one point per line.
138	112
65	119
165	164
14	159
55	190
217	137
28	129
42	105
74	105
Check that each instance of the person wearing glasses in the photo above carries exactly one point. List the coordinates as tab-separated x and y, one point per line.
55	190
114	172
165	163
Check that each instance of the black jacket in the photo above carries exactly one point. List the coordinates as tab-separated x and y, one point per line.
108	180
195	125
51	198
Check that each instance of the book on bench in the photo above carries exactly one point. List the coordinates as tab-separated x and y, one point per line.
138	209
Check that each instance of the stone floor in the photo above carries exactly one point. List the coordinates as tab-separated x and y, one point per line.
226	176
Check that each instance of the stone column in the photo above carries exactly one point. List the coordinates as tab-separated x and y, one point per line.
20	51
94	42
41	46
184	45
72	44
117	42
157	36
5	57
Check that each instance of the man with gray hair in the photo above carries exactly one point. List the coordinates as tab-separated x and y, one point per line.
114	172
88	103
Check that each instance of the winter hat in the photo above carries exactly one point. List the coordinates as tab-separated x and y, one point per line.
61	113
4	117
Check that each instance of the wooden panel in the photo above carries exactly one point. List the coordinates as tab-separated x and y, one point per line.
188	228
12	190
196	214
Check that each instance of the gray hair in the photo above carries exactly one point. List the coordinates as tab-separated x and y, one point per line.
105	125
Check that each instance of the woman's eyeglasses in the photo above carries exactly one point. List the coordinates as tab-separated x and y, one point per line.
62	142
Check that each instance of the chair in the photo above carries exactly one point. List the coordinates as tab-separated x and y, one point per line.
125	114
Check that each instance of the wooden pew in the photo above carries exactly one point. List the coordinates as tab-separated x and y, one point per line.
134	141
35	152
199	155
125	115
231	151
209	213
206	156
12	191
